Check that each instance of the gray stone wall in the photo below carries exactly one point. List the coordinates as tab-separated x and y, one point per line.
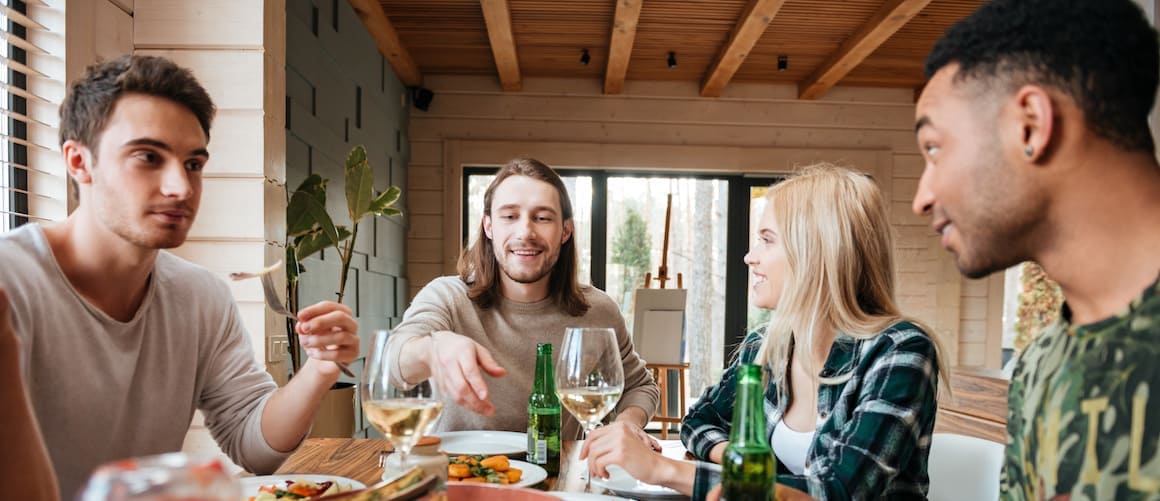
340	92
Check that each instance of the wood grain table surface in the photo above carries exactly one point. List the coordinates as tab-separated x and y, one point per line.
357	458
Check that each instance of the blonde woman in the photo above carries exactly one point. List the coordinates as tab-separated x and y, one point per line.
852	383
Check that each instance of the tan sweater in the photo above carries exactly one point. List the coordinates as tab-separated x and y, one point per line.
510	331
104	390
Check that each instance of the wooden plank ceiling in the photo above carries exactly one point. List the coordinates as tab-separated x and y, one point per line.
715	42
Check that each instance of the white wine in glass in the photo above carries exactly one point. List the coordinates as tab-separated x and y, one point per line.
402	411
589	376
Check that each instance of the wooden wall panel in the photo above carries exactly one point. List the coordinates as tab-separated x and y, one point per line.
211	24
233	79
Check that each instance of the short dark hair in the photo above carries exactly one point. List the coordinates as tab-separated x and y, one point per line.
1103	54
90	100
479	267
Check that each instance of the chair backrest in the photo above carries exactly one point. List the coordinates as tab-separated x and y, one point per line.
962	467
658	327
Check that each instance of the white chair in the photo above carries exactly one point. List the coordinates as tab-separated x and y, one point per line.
963	468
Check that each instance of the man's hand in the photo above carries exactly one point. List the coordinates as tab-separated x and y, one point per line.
629	447
459	367
328	332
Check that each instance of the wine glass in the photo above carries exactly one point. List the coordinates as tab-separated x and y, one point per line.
589	376
402	411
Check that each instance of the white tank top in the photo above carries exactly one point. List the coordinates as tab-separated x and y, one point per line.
791	447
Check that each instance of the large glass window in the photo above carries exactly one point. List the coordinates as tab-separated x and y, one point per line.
698	222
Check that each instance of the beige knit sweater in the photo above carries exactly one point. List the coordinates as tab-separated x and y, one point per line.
510	331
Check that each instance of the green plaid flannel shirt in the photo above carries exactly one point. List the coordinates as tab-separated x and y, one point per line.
874	430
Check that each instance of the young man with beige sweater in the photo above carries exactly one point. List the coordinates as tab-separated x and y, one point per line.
516	287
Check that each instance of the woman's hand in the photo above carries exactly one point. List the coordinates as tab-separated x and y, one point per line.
629	447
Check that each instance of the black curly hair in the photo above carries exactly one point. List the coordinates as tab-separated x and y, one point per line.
1104	54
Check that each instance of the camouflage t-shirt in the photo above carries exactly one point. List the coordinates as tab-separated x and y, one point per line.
1081	419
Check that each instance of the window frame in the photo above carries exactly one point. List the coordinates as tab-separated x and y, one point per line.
14	183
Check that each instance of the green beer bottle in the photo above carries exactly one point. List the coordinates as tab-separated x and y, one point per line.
544	414
748	468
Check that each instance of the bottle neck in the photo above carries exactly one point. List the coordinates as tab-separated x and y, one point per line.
748	408
545	383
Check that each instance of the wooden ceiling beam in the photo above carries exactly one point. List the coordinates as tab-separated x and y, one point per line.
749	29
387	40
498	16
620	48
889	18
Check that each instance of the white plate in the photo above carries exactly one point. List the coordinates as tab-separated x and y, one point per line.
622	484
488	443
250	485
579	496
532	474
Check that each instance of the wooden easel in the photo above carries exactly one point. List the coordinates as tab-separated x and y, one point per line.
660	372
663	270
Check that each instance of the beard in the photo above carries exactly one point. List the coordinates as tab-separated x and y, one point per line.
529	273
143	233
1001	223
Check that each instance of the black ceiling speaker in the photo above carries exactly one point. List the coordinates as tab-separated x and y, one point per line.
422	97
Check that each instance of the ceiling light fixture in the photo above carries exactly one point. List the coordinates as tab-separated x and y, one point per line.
672	60
585	58
782	62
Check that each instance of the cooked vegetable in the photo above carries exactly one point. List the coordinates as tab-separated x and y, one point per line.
497	463
297	489
458	470
490	469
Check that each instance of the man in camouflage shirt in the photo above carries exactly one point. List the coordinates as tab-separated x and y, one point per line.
1034	129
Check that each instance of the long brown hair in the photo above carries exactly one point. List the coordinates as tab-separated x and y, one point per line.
479	267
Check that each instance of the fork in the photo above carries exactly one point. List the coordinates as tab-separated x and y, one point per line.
275	302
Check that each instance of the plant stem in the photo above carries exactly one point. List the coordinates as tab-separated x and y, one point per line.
291	334
347	253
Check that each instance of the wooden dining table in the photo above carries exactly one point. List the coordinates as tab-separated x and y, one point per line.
357	458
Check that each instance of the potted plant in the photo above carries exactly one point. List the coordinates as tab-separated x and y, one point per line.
310	228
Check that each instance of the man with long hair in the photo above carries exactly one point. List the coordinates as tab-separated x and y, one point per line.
121	341
516	287
1034	129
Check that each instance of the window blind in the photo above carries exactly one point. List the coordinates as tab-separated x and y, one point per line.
33	182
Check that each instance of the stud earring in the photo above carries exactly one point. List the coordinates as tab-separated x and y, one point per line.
1029	151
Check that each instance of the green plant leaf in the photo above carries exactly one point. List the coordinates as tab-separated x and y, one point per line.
384	201
391	211
299	218
310	243
315	185
360	180
321	218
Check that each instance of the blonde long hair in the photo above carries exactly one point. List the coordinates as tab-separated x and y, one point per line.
838	242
